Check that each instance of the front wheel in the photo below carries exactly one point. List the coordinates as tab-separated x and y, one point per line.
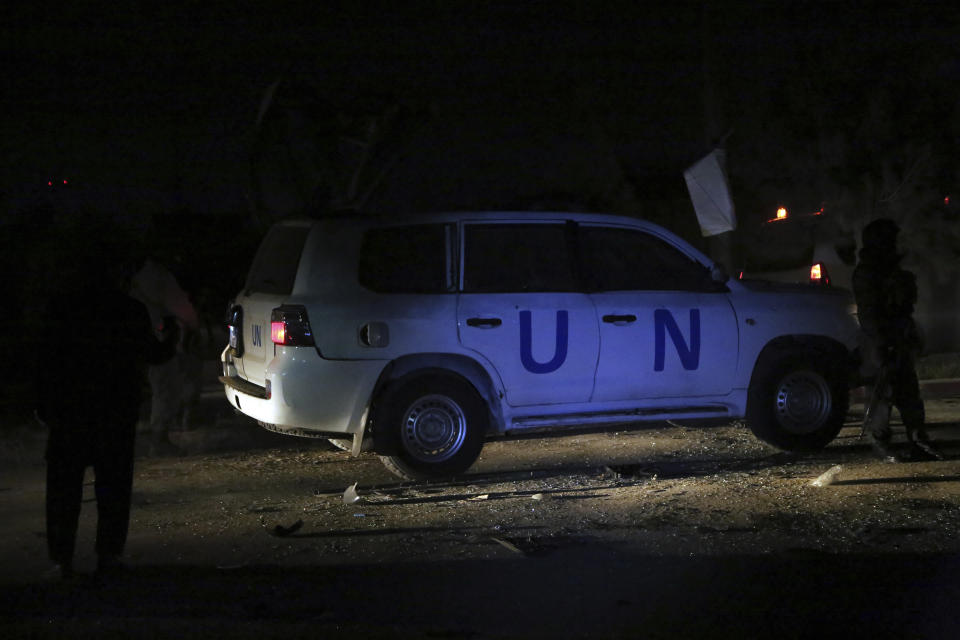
432	426
798	400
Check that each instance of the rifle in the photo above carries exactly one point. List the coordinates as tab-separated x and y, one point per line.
881	396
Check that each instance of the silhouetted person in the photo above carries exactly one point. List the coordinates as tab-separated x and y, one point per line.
175	381
886	295
97	342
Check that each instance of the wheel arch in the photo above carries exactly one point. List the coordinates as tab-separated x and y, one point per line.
803	342
407	368
831	357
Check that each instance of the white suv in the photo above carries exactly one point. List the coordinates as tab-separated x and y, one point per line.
421	337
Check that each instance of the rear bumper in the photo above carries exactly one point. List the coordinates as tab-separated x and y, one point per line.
308	395
244	386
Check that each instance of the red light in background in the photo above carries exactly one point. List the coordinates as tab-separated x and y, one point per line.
946	201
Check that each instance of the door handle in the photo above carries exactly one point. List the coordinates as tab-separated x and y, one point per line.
484	323
620	319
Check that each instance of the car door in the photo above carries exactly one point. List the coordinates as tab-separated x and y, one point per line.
521	311
667	330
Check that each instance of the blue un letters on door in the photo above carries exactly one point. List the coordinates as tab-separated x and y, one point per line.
663	324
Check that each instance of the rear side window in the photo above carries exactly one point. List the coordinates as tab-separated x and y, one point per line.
509	258
627	260
275	265
408	259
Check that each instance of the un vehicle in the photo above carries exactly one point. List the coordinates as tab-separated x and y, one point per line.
420	338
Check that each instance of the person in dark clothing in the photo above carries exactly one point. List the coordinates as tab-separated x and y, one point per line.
97	343
886	295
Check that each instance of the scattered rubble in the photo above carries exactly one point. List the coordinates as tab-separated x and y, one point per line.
827	478
350	496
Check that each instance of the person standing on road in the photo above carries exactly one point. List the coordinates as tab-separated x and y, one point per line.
174	383
886	295
97	343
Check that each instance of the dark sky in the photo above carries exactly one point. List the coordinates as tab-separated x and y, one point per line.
162	96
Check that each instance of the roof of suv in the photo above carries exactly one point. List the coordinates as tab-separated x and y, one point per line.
378	219
453	216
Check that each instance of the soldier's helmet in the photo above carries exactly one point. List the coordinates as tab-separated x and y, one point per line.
881	234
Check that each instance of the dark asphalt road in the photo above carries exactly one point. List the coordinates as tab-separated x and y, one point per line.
578	592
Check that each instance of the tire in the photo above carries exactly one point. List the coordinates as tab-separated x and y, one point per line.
798	400
432	426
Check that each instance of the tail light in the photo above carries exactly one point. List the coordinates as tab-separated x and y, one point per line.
235	327
818	274
289	327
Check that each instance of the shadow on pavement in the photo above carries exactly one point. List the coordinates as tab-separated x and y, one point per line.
580	591
899	480
618	475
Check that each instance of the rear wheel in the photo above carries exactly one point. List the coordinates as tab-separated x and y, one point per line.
432	426
798	400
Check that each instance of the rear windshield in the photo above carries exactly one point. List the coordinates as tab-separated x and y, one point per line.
275	266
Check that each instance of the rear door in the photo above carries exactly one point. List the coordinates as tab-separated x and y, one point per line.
269	282
521	310
667	330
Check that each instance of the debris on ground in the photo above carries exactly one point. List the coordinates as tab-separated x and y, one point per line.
279	530
350	496
826	478
508	545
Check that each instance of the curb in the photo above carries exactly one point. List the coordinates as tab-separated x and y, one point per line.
940	388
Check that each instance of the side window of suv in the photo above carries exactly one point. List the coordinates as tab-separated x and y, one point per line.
407	259
507	258
618	259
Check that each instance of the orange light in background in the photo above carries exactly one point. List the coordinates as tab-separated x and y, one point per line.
781	213
819	274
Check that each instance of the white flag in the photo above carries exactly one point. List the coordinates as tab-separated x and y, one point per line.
710	193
